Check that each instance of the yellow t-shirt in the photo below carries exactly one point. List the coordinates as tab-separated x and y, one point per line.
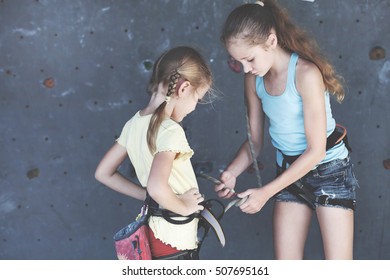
170	137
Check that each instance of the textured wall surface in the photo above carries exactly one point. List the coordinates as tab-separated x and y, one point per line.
73	72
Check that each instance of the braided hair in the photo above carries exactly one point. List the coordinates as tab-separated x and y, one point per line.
173	83
172	68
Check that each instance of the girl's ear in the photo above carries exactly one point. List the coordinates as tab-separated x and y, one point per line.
272	40
183	86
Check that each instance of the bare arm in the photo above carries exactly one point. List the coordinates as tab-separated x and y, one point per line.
311	87
162	193
107	173
243	158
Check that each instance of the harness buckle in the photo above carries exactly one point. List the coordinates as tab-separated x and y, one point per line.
326	202
323	200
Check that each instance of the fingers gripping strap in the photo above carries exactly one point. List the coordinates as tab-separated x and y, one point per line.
236	202
210	178
215	181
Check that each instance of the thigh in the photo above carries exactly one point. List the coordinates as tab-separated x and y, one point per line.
291	226
336	226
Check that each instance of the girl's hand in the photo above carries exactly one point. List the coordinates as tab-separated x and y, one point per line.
226	189
257	198
191	199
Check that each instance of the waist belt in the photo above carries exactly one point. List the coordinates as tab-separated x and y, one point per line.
207	219
304	191
339	134
169	216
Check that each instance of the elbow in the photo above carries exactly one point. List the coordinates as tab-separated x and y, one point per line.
257	147
99	175
320	155
317	154
156	191
153	192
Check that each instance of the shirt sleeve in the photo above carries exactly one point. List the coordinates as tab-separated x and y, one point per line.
122	140
171	138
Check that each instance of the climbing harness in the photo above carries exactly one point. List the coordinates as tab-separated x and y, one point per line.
303	191
339	134
208	219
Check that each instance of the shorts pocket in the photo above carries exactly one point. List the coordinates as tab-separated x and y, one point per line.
333	179
330	174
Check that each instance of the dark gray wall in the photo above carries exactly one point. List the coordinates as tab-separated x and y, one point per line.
72	73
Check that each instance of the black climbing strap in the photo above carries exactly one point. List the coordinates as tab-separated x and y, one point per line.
208	219
305	194
326	200
304	191
339	134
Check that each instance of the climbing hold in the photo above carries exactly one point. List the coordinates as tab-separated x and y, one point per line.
234	65
49	83
33	173
386	164
148	65
377	53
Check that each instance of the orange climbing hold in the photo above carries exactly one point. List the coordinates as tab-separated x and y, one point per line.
49	83
377	53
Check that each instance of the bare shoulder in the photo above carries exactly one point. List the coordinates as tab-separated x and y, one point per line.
308	76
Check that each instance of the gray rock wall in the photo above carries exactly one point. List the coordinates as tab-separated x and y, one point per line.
73	72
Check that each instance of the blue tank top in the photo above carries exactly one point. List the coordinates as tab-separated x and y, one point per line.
285	113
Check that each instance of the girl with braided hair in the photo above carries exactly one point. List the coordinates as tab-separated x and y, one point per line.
290	82
158	149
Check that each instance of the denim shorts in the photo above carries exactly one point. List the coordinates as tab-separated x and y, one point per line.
334	179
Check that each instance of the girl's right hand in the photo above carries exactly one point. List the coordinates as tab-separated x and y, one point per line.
191	199
226	189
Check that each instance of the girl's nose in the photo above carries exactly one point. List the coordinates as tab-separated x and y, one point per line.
247	68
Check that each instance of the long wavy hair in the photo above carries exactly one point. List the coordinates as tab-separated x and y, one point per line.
253	23
172	68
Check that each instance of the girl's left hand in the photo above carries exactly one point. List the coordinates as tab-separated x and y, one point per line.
191	199
257	198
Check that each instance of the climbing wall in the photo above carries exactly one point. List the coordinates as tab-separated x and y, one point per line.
73	72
